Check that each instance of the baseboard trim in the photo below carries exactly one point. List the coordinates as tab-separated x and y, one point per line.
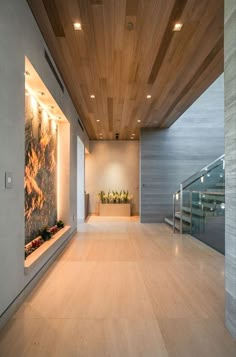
14	305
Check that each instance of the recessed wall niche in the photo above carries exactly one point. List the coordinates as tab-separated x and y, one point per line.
44	124
40	169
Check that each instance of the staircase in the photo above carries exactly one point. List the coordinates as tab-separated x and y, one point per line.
198	203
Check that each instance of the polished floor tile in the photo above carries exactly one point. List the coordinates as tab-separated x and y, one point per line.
121	288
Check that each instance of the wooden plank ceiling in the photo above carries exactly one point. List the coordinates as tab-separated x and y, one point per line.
127	50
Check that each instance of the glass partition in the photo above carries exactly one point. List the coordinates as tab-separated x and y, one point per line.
203	205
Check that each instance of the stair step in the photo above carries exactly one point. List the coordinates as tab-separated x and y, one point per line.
169	221
220	184
195	211
185	217
214	192
177	225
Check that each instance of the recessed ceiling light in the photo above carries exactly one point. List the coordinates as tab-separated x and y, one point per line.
133	134
77	26
139	121
42	93
178	26
149	96
92	96
98	120
131	138
26	73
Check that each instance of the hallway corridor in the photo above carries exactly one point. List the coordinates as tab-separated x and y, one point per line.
121	288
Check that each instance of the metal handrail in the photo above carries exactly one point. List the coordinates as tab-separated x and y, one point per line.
205	168
210	193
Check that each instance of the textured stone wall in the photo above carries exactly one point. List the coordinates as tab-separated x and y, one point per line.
230	166
169	156
40	169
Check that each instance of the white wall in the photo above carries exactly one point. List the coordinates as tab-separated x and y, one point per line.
80	182
112	165
20	37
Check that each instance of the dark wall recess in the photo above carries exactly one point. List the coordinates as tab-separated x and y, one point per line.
48	59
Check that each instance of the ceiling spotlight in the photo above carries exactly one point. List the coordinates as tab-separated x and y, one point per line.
138	121
92	96
98	120
133	134
26	73
41	93
149	96
178	27
77	26
131	138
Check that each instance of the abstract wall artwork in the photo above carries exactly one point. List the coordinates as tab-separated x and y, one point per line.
40	169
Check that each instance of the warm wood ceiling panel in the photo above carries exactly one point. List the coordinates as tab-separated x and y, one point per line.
126	50
167	37
54	17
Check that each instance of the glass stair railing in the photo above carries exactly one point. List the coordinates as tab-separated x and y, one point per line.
199	205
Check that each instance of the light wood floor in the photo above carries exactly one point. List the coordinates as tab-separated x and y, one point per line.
122	288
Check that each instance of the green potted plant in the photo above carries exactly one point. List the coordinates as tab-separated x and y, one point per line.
45	233
60	224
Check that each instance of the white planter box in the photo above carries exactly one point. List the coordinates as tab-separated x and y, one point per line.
42	254
115	209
